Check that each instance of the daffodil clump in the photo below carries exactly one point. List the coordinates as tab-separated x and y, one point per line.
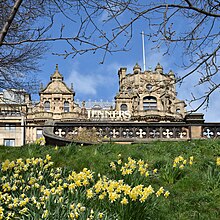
172	173
139	168
180	162
40	141
212	175
34	189
138	172
133	188
118	191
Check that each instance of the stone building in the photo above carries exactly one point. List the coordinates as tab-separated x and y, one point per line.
13	110
149	95
56	103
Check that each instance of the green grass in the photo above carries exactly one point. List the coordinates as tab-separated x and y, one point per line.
194	195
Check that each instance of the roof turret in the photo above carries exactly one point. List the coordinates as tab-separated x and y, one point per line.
57	75
137	68
159	68
171	74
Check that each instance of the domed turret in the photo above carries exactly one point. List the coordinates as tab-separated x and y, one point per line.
137	68
171	74
159	68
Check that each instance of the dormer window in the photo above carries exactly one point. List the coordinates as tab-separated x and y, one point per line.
66	106
47	106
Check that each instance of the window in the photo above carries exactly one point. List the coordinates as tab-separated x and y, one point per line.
149	87
96	107
129	89
177	110
10	127
124	107
9	142
47	106
66	106
39	133
149	103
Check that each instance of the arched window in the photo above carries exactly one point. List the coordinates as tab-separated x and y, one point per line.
66	106
47	106
124	107
149	103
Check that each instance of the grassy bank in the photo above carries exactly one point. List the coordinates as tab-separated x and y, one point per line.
186	170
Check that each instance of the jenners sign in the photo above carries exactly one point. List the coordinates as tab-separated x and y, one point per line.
108	115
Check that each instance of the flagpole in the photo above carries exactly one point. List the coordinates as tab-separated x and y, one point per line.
144	61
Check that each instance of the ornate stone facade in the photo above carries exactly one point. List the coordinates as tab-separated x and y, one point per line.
148	98
56	103
56	100
149	95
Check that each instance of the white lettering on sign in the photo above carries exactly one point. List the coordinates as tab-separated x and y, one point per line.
113	115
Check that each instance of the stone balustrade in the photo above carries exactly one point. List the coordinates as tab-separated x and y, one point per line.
135	132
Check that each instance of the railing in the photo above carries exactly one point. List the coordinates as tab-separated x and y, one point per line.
65	132
125	131
211	130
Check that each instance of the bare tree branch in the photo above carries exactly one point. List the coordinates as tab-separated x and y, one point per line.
9	21
190	26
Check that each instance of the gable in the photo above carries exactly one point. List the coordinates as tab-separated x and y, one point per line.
56	87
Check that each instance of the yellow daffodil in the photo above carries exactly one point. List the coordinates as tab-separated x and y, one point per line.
113	166
1	210
155	171
89	194
119	162
82	208
181	166
100	215
124	201
140	162
113	196
160	191
147	174
218	161
166	194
